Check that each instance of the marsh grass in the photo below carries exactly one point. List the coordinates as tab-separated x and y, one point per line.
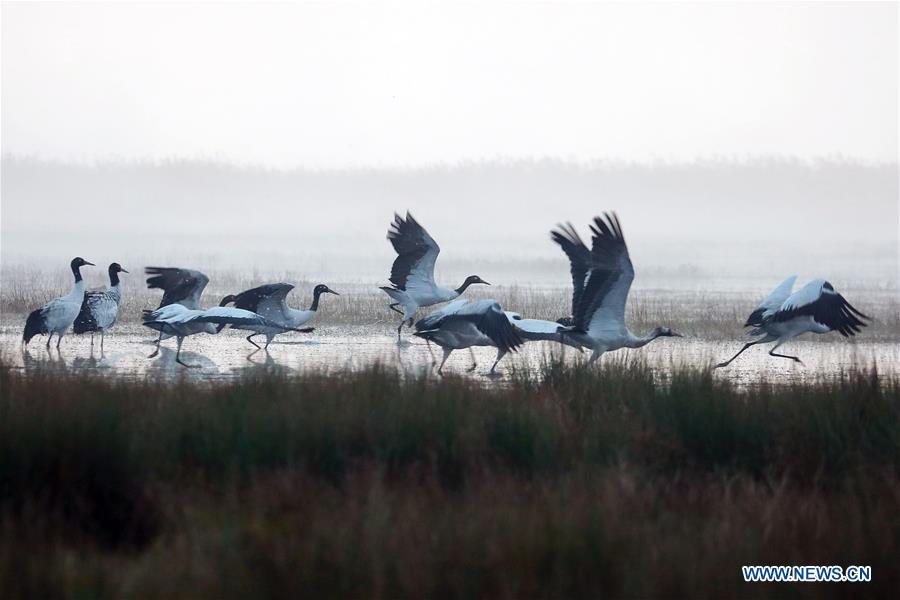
569	483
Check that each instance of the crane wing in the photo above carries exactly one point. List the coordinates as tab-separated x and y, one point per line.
413	269
180	286
489	319
227	315
484	315
533	325
771	303
602	306
268	300
819	300
579	259
433	319
170	313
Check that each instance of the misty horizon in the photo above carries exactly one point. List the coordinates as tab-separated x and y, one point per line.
826	216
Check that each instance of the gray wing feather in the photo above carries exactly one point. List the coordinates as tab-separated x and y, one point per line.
180	286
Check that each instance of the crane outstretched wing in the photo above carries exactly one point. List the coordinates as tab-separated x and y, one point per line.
602	305
819	300
170	313
227	315
267	300
180	286
434	318
579	259
771	303
416	254
489	318
533	325
484	315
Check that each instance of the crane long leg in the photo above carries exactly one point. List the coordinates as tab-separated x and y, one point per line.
102	339
474	362
431	352
158	341
394	308
48	340
59	338
92	339
594	356
447	352
500	354
269	339
250	339
793	358
178	355
400	328
728	362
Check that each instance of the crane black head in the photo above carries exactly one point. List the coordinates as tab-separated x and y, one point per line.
323	289
114	270
318	291
469	281
76	264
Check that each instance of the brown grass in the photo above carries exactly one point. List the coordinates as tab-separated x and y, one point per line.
566	484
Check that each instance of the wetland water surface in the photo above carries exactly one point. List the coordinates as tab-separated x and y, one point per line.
336	348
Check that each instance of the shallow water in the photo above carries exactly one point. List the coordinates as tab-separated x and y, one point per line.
338	348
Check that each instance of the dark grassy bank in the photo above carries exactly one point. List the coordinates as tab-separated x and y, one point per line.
578	484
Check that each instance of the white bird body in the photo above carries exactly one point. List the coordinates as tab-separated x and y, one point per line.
601	278
58	315
270	301
412	274
463	324
814	308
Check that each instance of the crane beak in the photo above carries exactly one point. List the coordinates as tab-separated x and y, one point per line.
485	282
331	291
122	271
90	263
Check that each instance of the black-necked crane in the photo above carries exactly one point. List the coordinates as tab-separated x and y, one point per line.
179	286
176	320
179	314
100	309
601	278
412	274
464	324
270	301
814	308
58	315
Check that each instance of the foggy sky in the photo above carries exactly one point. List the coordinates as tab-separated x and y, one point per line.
326	85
